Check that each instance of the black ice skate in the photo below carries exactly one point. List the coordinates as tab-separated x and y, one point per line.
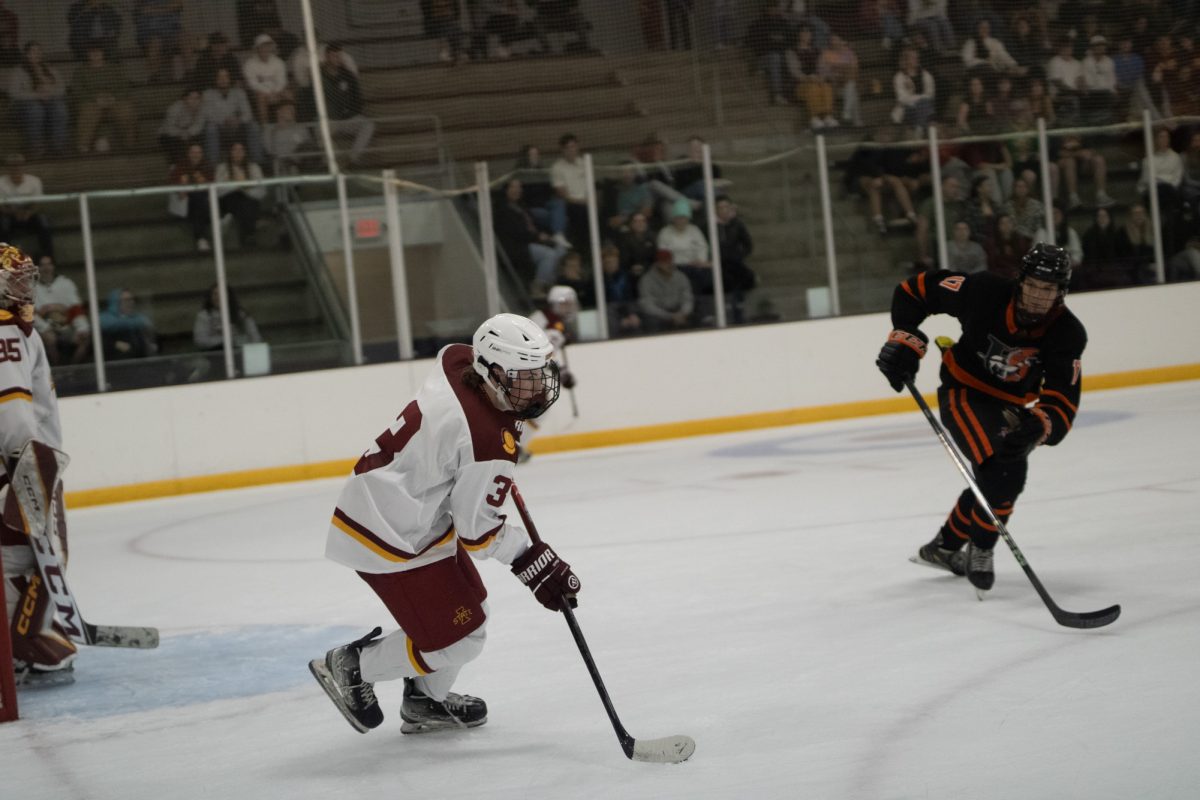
31	676
339	676
423	714
939	557
979	568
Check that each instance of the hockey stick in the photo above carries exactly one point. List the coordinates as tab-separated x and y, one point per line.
669	749
1070	619
571	391
34	484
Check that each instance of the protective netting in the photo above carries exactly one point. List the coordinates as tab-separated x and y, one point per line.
121	95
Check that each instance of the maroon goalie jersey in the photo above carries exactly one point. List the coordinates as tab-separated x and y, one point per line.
436	478
995	356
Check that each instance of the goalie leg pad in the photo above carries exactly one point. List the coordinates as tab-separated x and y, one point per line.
37	638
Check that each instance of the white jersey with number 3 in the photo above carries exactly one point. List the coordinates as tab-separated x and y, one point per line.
439	476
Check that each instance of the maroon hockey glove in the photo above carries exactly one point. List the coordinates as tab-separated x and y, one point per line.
567	379
547	576
1024	430
901	356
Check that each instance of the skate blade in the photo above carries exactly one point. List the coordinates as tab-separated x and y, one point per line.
980	594
321	673
922	562
45	680
437	726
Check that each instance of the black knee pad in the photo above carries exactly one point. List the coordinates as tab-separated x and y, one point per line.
1001	481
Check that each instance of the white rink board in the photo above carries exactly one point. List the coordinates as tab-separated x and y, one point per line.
289	420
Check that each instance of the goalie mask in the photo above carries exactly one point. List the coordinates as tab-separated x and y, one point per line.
1045	276
17	278
512	355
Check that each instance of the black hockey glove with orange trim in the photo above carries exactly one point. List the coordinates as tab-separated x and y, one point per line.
901	356
547	576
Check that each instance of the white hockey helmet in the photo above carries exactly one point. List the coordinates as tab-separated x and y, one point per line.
512	354
562	299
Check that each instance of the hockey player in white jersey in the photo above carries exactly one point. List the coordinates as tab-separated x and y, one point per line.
42	653
424	499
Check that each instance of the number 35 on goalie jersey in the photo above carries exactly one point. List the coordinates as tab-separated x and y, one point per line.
28	406
994	355
438	476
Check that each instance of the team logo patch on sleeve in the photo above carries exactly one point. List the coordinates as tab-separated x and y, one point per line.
508	442
1009	364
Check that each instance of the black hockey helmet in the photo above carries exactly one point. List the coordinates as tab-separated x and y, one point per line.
1047	263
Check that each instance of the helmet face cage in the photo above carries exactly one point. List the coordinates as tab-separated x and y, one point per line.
1047	263
529	393
18	275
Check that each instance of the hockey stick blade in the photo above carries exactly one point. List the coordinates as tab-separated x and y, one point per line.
1086	619
668	750
121	636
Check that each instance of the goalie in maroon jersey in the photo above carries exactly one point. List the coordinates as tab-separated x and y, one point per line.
425	498
43	654
1010	384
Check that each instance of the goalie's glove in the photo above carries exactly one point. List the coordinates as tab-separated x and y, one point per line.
547	576
1024	429
901	355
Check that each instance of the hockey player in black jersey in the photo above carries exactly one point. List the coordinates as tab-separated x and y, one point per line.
1010	384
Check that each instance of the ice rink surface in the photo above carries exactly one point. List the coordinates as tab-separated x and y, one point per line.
750	590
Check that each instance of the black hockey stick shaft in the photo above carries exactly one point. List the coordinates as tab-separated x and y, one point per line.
1070	619
571	391
627	741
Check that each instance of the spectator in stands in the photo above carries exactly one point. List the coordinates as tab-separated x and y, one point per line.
17	215
1136	241
494	20
1027	162
1039	103
620	293
441	21
211	60
735	246
127	332
1006	248
194	172
975	111
808	83
1065	76
537	193
665	296
1186	103
228	118
287	142
286	42
929	18
158	25
1165	83
38	93
799	15
183	126
1027	212
300	65
981	208
689	249
1064	236
1099	95
962	253
10	37
1105	257
953	210
93	23
266	78
1007	108
245	204
1185	265
208	333
561	16
638	245
1074	154
1168	183
679	23
103	93
1132	93
569	209
1025	48
688	176
344	103
59	316
533	253
1190	187
874	169
768	38
627	197
915	90
886	15
571	273
983	53
650	156
839	65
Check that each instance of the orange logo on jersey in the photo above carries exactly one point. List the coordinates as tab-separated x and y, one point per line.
953	283
508	442
1009	364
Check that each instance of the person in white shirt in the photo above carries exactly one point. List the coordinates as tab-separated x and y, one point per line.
22	216
266	77
300	65
1064	74
1099	81
429	495
915	91
59	316
984	51
929	18
1168	182
569	179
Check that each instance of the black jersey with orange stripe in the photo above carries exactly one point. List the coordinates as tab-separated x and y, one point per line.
994	355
